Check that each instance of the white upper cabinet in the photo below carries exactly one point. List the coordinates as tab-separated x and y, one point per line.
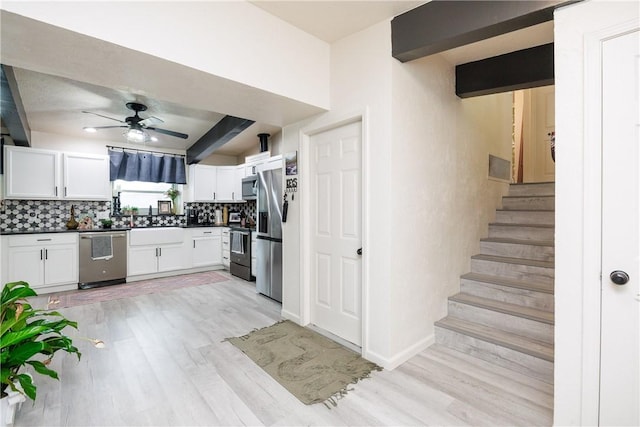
86	177
33	173
203	183
216	183
226	176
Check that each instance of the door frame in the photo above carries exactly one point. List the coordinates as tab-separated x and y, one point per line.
305	135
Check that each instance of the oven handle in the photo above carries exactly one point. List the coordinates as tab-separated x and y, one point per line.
242	233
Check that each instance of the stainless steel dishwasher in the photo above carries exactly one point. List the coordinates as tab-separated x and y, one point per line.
103	258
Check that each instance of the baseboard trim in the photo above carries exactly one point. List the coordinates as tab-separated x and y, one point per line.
398	359
173	273
291	316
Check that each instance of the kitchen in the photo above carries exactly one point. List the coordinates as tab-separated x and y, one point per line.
211	227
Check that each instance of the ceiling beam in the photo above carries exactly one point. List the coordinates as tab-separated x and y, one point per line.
12	109
441	25
522	69
225	130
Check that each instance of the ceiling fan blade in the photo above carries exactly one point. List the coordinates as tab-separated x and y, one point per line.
106	117
150	121
104	127
170	132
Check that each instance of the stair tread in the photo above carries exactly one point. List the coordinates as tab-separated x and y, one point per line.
518	241
530	196
524	210
513	283
512	224
505	307
509	260
513	341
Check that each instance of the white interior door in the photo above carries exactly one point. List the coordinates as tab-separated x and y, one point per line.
620	321
336	215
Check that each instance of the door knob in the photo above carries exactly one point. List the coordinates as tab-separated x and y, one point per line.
619	277
359	251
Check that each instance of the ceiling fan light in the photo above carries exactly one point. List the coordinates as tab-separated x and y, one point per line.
153	139
136	136
90	129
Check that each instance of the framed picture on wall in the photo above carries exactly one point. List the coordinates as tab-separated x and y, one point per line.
164	207
291	163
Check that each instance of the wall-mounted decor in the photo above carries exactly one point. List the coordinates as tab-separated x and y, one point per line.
164	207
291	163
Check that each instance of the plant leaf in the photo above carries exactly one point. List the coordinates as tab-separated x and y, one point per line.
41	368
21	335
27	385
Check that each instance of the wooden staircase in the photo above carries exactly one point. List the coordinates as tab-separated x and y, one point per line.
504	311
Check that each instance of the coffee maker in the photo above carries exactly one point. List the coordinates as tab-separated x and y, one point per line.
192	216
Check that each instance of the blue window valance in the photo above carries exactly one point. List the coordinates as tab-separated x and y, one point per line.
146	166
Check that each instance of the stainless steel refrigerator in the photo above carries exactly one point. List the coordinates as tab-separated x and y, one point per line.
269	234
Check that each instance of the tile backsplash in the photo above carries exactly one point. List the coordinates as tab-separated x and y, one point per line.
24	215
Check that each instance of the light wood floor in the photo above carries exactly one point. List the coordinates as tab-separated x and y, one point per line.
166	365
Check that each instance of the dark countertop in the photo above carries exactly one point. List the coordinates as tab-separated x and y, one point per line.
60	230
97	230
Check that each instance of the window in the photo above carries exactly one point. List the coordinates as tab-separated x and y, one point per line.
144	194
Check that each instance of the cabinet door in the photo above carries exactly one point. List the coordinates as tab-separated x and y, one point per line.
31	173
171	257
26	263
237	183
204	183
142	260
61	264
225	183
86	177
204	251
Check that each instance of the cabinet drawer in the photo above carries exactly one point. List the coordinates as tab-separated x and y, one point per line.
43	239
205	232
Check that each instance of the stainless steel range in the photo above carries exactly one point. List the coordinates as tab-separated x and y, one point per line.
241	253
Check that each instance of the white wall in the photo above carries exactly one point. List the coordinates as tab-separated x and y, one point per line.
577	273
440	191
428	199
231	39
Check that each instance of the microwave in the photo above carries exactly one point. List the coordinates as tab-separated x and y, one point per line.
250	187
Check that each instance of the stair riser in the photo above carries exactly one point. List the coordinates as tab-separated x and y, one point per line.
543	189
516	271
502	356
506	322
521	232
524	297
526	217
524	203
513	250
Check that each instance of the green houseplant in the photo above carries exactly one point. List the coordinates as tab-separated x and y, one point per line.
27	333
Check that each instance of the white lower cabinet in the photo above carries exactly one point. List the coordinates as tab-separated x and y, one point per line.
156	259
206	247
226	248
156	251
42	260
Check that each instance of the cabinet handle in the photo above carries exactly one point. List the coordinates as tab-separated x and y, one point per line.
160	251
207	232
65	191
233	195
56	191
41	257
44	240
156	252
46	254
194	244
214	195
